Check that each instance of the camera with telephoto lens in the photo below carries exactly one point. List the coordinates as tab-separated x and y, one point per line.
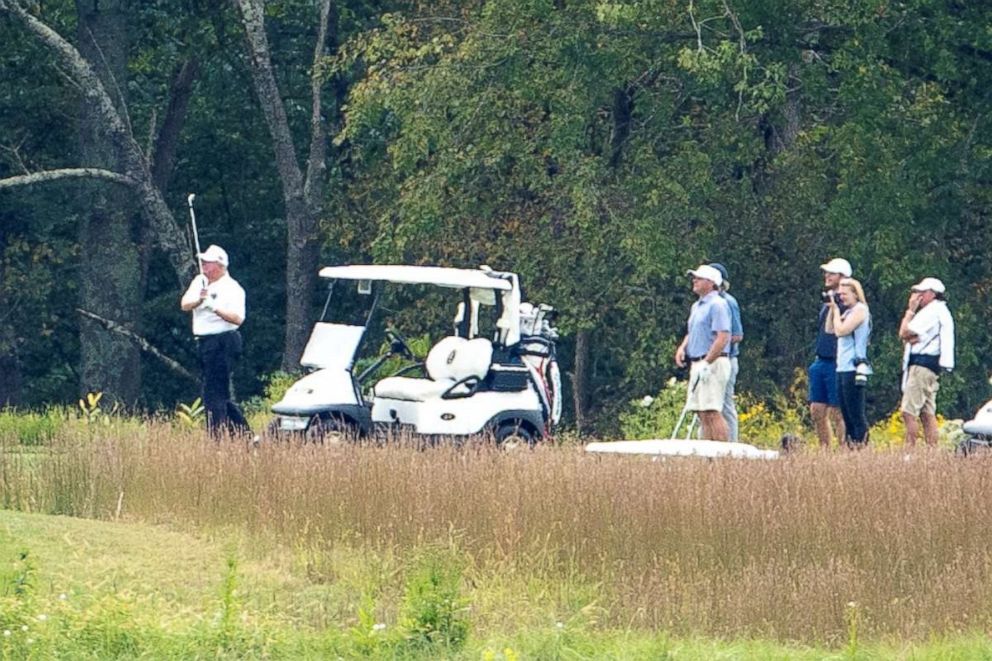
861	371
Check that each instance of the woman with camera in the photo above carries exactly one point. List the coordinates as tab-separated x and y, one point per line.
852	328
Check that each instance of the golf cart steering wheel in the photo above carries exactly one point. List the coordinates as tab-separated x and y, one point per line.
398	344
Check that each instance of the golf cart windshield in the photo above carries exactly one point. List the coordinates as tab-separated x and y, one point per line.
480	287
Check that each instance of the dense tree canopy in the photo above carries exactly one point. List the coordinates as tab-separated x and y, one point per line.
600	149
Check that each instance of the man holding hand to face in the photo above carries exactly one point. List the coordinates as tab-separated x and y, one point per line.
927	329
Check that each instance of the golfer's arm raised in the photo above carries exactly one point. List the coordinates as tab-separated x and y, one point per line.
193	297
912	307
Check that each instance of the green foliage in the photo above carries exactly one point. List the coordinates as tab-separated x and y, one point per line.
275	386
597	148
20	583
764	424
369	637
192	414
90	410
655	416
601	167
852	614
228	604
419	346
434	610
29	427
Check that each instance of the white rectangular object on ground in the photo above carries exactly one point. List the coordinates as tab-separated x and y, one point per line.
671	447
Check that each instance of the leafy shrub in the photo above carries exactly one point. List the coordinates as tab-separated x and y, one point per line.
764	425
655	417
107	629
276	385
191	415
890	432
370	638
90	410
28	428
434	611
761	423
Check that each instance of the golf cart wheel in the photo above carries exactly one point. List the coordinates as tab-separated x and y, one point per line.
329	431
510	435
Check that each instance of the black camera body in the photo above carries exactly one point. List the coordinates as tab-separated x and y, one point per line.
862	368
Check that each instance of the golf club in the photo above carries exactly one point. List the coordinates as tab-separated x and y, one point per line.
685	409
196	236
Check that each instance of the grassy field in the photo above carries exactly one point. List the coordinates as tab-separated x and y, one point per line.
171	546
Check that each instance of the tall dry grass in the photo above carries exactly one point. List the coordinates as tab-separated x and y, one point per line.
791	549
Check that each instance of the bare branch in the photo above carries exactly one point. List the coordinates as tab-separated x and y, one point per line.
15	153
317	160
66	173
145	345
695	26
131	159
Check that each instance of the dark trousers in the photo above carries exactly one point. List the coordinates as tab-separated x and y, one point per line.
852	407
218	353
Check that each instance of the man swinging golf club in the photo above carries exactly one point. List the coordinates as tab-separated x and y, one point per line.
217	302
706	349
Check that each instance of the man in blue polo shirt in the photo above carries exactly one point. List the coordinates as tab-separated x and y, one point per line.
705	348
824	401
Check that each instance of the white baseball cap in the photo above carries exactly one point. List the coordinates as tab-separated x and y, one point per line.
707	272
214	253
929	284
838	265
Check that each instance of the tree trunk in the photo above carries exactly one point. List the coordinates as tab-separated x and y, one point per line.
580	379
302	197
109	272
132	166
10	366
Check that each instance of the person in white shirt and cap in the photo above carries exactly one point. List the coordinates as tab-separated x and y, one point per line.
217	302
927	329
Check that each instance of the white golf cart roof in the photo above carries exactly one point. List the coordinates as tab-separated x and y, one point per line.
427	275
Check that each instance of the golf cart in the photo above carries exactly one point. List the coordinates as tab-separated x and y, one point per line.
505	381
978	432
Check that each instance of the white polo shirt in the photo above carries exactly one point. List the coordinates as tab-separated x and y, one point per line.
225	293
934	329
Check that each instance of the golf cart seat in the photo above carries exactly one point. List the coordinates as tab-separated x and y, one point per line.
454	361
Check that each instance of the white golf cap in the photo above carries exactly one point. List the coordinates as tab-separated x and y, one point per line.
929	284
838	265
707	272
214	253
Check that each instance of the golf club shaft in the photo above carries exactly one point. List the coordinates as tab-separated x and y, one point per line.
196	236
685	409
